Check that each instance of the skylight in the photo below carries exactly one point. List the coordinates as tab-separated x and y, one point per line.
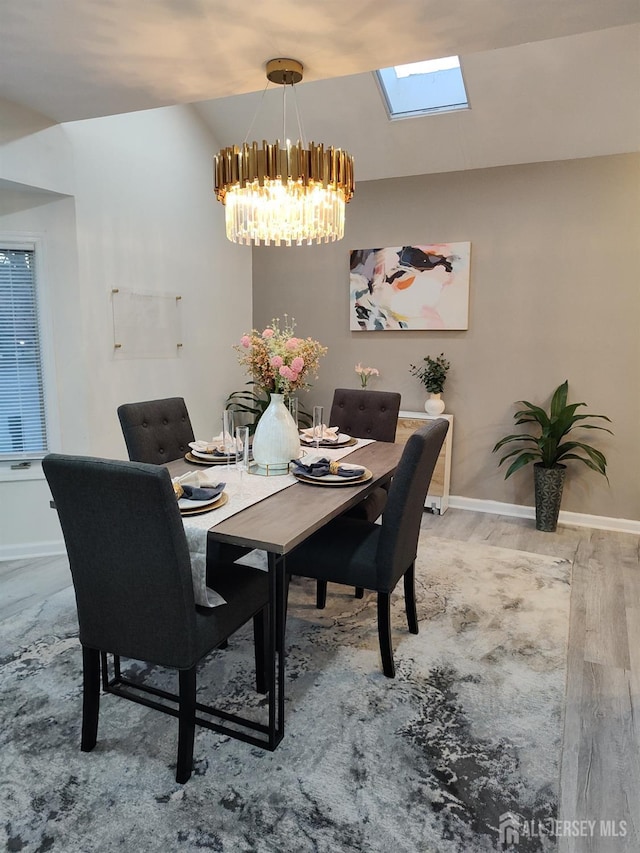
420	88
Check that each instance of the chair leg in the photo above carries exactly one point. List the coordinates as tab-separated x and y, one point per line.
321	595
260	643
384	634
410	598
186	723
90	698
359	592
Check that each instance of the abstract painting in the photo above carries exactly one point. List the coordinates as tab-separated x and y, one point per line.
410	287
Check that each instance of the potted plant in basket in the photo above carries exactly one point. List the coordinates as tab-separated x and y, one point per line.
548	450
433	374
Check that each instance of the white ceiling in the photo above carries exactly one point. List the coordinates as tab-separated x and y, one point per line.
546	79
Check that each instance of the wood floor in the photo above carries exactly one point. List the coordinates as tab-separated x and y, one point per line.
600	774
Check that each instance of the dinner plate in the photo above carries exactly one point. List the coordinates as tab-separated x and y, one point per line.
344	440
196	507
335	479
208	459
212	457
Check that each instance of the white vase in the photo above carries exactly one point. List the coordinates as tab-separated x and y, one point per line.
276	441
434	405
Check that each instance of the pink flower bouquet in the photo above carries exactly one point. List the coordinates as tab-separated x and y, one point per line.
277	360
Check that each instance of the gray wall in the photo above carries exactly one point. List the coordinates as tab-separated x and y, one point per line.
555	275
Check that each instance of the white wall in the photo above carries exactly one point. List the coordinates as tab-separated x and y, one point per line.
34	152
143	217
148	220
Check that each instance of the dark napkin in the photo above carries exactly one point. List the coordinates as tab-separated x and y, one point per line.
196	493
320	468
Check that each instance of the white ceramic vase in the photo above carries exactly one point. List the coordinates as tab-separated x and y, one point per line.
276	441
434	405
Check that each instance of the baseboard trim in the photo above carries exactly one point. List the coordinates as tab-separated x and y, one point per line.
577	519
30	550
55	548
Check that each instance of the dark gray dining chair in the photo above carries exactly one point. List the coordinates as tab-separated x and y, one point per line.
364	414
367	414
156	431
375	556
131	573
159	431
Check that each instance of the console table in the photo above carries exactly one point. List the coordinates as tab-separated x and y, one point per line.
437	499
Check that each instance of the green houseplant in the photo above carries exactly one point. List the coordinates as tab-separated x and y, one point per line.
433	375
548	450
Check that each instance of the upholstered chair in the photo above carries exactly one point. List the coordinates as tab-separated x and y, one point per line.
134	592
159	431
364	414
156	431
376	556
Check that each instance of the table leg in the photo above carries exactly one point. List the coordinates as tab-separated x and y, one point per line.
277	616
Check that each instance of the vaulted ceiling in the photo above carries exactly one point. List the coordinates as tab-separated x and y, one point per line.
550	79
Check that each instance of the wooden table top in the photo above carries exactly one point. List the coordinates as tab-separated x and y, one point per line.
284	520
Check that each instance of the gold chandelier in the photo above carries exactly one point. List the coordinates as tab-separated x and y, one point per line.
291	194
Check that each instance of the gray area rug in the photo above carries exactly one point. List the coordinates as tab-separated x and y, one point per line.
469	730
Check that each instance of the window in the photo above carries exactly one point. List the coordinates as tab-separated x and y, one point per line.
23	432
421	88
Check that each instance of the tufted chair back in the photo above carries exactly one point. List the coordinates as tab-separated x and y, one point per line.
366	414
156	431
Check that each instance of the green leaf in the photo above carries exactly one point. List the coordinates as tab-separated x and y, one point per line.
534	412
515	437
559	399
517	451
595	426
520	462
580	445
588	463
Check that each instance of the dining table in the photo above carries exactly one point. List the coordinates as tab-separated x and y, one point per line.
277	524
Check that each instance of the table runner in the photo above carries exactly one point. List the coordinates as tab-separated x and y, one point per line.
244	491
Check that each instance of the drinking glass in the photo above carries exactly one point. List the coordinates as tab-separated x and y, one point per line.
228	433
293	409
242	453
318	417
242	448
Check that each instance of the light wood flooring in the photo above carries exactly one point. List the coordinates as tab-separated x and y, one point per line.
600	774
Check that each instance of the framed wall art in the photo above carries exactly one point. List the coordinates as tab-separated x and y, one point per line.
410	287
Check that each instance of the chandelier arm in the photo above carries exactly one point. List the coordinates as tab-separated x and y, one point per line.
284	115
255	115
301	133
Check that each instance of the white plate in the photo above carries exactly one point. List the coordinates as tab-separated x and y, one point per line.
343	438
194	445
336	479
212	457
184	503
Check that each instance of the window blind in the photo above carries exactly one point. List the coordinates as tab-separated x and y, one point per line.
22	410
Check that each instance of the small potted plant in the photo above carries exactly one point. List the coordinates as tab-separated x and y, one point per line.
547	450
365	374
432	374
